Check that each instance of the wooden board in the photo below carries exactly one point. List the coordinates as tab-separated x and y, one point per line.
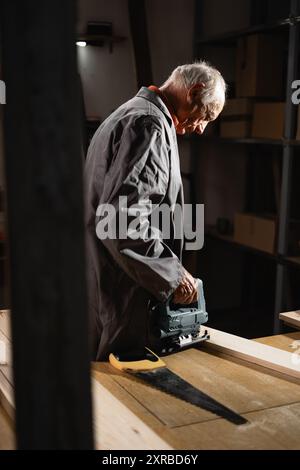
5	350
271	429
5	336
128	414
119	421
7	435
286	341
291	318
5	323
256	353
271	404
6	390
3	358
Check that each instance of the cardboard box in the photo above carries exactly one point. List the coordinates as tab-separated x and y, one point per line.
264	236
243	229
235	128
268	120
260	66
255	231
238	107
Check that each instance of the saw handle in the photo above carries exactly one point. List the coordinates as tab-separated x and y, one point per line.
136	361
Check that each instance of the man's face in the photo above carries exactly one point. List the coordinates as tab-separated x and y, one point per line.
195	119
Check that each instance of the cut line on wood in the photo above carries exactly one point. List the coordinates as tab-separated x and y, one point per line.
257	353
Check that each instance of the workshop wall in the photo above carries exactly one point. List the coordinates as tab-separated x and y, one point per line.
220	17
221	174
108	78
170	30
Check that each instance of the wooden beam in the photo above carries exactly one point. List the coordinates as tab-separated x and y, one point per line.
45	220
139	33
291	318
256	353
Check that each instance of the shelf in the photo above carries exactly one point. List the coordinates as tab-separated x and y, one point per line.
250	141
295	260
100	40
294	143
211	232
230	38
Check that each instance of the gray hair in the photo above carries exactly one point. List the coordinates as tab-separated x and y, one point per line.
201	71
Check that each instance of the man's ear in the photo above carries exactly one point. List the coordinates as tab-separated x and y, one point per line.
195	92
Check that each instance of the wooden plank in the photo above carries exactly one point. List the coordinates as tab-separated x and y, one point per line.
46	229
286	341
271	404
3	349
6	391
5	334
5	323
291	318
132	415
218	377
118	423
271	429
248	350
7	441
2	352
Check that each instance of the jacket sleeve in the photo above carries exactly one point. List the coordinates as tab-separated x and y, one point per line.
144	257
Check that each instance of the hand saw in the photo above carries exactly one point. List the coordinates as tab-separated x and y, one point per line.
150	368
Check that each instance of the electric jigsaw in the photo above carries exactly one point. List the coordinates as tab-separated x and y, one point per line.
173	327
176	326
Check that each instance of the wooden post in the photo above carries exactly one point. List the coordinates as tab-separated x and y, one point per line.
45	221
139	33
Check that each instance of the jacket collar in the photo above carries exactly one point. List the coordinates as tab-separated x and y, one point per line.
156	100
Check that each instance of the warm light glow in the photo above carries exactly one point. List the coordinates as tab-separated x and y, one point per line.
81	43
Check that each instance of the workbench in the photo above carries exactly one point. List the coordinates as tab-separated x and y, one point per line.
129	414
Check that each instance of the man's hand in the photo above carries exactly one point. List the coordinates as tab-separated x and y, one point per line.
186	292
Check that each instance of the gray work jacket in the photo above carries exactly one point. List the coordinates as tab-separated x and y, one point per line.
133	153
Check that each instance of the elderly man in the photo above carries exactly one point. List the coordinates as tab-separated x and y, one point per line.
134	154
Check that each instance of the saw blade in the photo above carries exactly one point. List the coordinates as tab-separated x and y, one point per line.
165	380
